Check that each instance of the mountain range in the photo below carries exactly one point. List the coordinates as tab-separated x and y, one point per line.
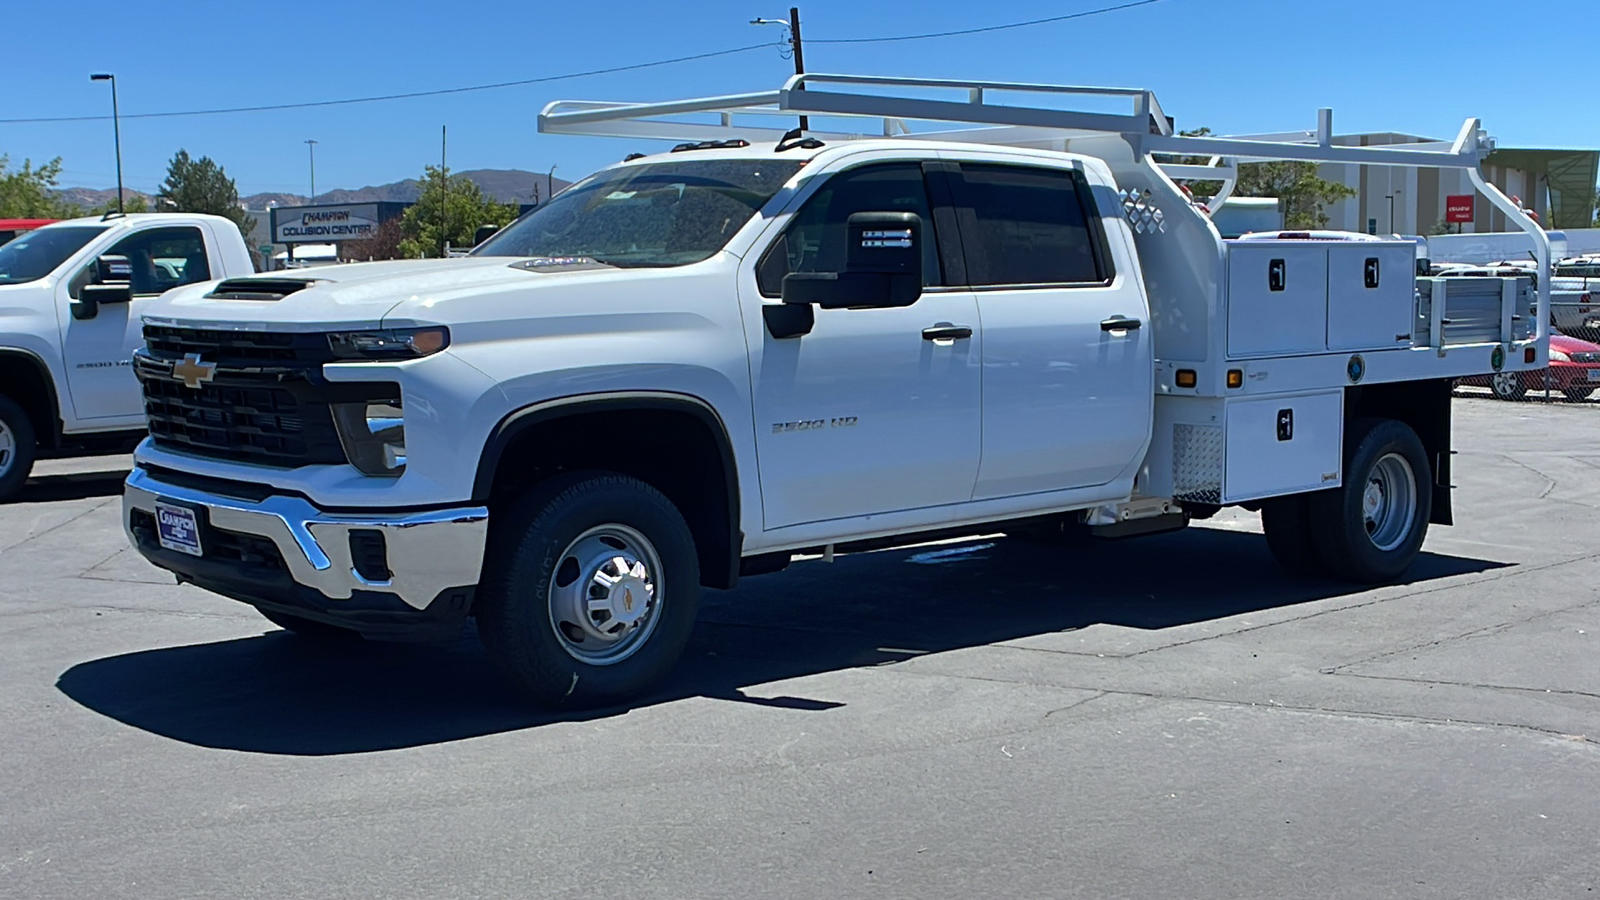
504	185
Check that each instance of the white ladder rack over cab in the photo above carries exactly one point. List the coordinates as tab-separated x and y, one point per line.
1183	257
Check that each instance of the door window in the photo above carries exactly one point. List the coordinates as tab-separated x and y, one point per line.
164	258
1023	226
815	240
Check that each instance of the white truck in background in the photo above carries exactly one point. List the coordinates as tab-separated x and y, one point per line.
71	296
695	364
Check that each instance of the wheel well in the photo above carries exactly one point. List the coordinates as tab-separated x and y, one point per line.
1425	407
678	447
28	384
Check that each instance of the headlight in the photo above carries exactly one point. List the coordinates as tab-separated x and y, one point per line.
373	433
389	343
1558	356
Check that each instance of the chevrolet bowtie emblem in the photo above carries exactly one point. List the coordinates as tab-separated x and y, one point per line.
192	372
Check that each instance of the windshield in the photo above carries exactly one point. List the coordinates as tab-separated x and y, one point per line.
661	214
36	254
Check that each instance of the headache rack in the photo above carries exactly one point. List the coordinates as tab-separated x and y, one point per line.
1108	123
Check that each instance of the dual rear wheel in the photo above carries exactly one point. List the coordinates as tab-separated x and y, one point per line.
1370	529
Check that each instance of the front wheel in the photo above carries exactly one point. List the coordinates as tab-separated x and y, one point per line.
1508	386
1372	528
590	590
18	446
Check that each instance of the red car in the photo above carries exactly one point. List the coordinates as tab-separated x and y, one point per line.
1574	371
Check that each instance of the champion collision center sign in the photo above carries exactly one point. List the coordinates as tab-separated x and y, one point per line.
324	224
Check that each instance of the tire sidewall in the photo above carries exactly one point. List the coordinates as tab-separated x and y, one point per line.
25	447
519	601
1352	554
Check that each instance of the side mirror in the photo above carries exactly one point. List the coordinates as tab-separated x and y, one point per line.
112	282
483	233
883	266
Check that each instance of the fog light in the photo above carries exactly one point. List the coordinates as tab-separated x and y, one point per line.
1186	378
373	434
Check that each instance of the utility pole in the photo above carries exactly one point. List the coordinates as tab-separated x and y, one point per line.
796	49
444	197
311	145
116	131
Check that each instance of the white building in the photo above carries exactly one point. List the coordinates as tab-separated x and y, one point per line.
1558	185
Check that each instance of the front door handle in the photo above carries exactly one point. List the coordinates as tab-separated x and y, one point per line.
944	331
1120	323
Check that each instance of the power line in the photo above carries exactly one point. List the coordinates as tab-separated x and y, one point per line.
941	34
406	96
551	78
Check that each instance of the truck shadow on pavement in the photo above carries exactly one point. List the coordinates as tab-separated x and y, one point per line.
77	486
279	694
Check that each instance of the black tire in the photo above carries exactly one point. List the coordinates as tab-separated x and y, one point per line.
320	632
1350	547
19	447
1290	537
1508	386
533	563
1578	393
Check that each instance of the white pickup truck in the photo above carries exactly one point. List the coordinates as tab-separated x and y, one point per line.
693	365
71	295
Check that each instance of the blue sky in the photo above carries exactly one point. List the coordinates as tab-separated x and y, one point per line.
1239	66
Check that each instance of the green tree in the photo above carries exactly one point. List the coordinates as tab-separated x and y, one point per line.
201	186
29	193
1301	194
132	202
450	210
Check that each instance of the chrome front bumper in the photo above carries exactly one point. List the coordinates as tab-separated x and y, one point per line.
428	552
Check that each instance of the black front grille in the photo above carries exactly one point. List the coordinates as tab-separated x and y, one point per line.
266	402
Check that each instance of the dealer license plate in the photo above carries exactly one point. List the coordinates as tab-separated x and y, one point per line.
1594	374
178	529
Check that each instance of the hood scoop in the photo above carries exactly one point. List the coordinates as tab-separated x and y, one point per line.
259	288
560	264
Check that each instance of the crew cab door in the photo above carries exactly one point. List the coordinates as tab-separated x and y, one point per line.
872	410
99	351
1067	368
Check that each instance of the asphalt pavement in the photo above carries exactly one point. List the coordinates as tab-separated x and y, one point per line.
1165	717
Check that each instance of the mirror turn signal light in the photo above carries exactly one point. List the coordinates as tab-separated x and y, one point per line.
1235	378
1186	378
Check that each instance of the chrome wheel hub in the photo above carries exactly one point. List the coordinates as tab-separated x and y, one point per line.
1505	383
8	449
1389	501
604	595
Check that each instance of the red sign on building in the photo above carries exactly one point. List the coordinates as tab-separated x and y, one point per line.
1458	207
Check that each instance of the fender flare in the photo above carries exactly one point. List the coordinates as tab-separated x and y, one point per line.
518	421
51	435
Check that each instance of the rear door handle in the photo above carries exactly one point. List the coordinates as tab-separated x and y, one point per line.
1120	323
944	331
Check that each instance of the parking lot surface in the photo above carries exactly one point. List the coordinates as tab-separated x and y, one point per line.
1166	717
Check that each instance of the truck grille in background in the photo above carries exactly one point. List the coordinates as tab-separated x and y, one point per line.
266	404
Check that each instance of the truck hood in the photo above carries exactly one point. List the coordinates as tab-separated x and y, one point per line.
356	295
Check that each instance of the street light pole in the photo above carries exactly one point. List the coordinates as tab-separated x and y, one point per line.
116	130
796	49
311	145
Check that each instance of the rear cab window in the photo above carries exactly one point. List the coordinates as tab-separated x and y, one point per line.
1023	225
